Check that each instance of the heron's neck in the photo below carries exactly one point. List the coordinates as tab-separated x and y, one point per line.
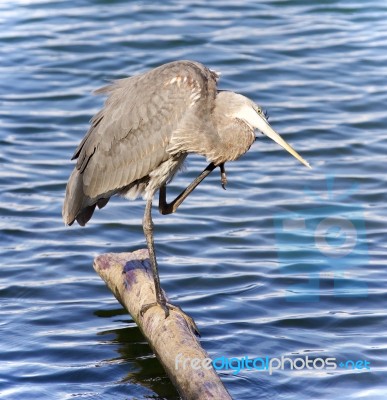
235	136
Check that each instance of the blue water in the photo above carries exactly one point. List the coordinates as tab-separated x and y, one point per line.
286	262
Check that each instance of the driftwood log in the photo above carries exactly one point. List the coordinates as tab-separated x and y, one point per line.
129	277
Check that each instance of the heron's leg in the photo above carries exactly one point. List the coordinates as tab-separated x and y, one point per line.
148	231
160	298
223	177
169	208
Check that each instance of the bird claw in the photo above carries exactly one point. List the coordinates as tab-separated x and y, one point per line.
223	180
223	177
166	308
163	305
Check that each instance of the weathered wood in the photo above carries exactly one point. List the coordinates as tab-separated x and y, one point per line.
129	277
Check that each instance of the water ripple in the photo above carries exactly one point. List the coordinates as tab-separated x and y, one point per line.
255	286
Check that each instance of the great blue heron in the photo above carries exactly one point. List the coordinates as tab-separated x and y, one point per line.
142	135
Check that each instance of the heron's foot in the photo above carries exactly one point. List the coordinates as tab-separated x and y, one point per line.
162	304
223	180
168	306
223	177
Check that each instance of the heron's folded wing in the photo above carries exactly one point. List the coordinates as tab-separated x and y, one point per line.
129	137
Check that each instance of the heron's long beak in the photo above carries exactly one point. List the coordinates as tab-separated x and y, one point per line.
260	123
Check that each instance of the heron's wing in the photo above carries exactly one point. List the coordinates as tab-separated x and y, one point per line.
129	137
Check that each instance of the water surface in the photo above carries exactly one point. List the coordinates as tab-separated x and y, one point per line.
287	261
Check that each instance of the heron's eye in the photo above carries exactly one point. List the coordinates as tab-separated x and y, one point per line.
262	113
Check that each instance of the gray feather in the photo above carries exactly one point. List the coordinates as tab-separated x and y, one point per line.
136	131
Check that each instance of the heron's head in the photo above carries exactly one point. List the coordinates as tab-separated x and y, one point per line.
242	108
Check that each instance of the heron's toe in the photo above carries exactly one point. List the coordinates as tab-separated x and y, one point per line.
188	319
223	180
223	176
168	306
146	307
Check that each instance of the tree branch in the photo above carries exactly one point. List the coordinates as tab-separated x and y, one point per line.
129	277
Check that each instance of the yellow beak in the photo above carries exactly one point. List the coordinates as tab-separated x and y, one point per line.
267	130
261	123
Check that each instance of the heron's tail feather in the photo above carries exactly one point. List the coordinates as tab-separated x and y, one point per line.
78	206
74	198
84	216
